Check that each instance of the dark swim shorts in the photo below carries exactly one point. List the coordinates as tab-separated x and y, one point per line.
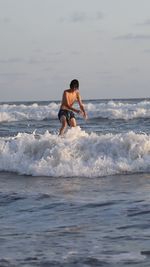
67	113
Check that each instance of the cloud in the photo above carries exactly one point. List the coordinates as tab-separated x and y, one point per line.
56	53
145	23
7	77
75	53
104	72
133	70
147	51
132	37
32	60
80	17
5	20
76	17
35	61
99	15
12	60
12	74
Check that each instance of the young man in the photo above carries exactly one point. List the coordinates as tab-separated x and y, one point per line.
66	112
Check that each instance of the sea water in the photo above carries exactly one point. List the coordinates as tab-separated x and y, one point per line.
82	199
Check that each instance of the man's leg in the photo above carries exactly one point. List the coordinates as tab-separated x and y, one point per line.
64	125
72	122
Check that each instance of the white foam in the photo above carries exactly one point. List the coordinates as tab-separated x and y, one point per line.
128	257
76	154
124	257
119	110
9	112
110	110
5	116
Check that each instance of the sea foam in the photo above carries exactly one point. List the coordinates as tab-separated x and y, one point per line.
21	112
107	110
119	110
77	153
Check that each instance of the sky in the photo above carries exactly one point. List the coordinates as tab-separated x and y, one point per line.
44	44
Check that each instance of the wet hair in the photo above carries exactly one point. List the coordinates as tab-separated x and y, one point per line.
74	84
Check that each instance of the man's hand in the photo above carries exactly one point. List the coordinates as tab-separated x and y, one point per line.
83	114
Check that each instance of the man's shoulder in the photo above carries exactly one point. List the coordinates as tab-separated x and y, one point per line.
66	91
77	93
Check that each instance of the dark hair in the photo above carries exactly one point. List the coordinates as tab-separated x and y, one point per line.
74	84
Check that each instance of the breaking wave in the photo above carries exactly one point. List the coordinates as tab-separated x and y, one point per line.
107	110
12	112
120	110
76	154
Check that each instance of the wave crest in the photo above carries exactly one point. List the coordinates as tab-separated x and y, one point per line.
10	112
106	110
119	110
76	154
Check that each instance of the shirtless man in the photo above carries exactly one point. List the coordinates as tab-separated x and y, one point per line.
66	112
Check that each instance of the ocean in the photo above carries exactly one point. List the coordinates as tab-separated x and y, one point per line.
82	199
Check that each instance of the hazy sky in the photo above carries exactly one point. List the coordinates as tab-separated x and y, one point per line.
46	43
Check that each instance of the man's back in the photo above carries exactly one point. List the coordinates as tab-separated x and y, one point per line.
68	99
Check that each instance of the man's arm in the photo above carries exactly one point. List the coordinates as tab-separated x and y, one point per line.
81	105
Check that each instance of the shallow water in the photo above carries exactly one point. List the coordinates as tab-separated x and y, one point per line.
74	221
81	200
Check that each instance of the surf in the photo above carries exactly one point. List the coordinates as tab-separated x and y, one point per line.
77	153
112	110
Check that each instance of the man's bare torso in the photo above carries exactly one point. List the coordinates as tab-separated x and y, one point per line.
68	99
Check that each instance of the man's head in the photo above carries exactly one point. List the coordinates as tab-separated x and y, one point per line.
74	84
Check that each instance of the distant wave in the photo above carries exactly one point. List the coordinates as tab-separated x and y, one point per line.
119	110
106	110
9	112
76	154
